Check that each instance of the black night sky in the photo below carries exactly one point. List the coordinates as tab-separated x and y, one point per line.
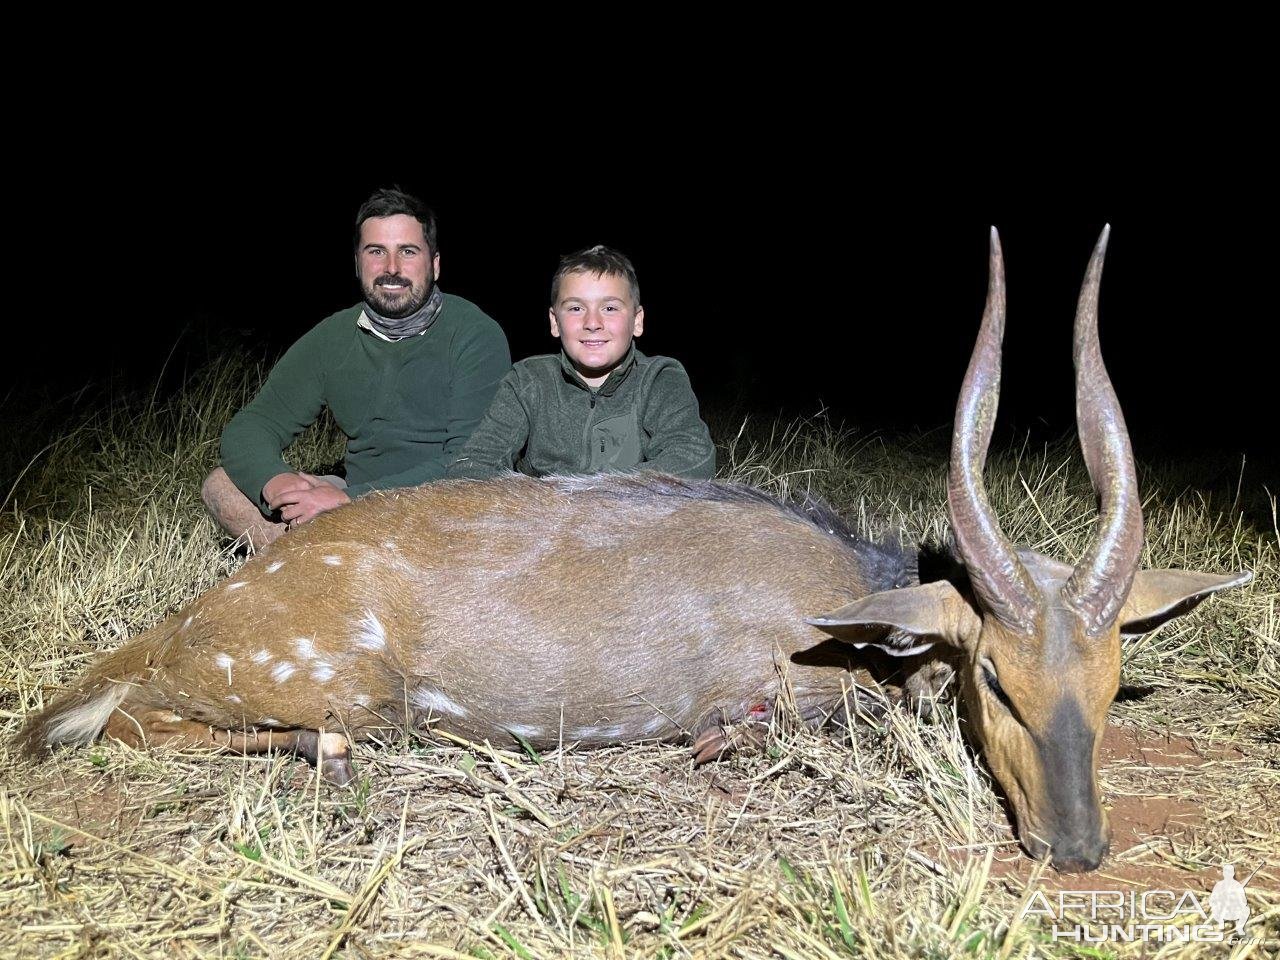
788	277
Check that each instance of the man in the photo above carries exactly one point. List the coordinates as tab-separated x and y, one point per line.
408	374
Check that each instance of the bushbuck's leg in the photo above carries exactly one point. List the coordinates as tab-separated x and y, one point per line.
235	513
715	736
330	752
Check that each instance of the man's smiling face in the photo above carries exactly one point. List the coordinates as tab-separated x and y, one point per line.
595	319
397	269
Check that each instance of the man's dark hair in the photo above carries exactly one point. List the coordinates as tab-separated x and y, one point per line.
600	260
389	201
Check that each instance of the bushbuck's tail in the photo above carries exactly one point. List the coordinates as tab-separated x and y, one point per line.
78	715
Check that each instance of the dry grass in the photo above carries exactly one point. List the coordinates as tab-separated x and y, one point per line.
884	842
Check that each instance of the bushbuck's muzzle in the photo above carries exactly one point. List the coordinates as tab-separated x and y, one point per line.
1072	819
1078	854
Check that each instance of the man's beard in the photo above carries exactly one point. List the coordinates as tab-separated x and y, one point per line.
403	305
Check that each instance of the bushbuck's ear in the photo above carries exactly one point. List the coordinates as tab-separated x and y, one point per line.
916	618
1160	595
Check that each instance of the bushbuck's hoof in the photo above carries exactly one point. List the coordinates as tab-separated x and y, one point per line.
330	753
925	685
335	759
721	738
338	770
709	744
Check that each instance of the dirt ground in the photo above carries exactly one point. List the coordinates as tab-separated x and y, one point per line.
1153	785
1154	791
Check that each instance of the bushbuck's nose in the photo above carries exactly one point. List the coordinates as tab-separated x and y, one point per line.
1080	856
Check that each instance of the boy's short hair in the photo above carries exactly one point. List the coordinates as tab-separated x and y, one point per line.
389	201
600	260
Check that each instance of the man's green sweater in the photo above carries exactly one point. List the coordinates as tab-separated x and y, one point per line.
546	420
407	407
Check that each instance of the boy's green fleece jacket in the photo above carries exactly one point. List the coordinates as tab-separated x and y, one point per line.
546	420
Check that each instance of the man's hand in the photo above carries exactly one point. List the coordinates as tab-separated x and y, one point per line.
301	497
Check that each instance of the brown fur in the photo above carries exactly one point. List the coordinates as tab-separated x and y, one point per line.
597	610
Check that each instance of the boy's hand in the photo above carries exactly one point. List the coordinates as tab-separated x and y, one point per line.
300	497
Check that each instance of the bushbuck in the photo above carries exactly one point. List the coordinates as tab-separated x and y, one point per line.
594	610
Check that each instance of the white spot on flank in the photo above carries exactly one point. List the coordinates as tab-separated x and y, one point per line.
360	700
333	561
389	545
305	646
525	730
262	656
232	698
269	722
186	623
436	702
223	661
371	635
282	671
274	565
322	672
237	585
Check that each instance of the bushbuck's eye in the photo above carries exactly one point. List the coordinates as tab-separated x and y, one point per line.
993	684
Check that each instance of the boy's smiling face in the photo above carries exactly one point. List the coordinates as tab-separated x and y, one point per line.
595	318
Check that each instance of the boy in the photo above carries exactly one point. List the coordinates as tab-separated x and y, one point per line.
600	404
